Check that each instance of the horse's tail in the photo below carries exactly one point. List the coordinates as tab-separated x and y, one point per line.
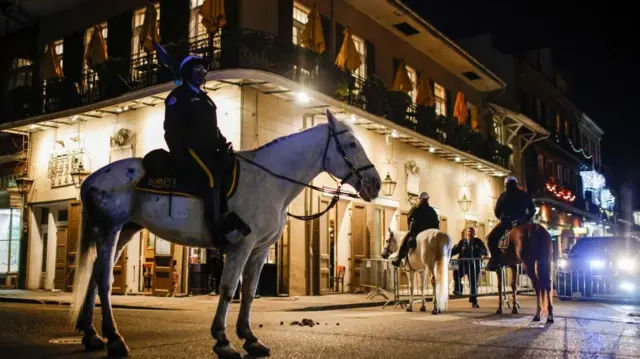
442	271
85	257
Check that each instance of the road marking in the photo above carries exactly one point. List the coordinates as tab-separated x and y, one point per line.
437	318
66	341
524	322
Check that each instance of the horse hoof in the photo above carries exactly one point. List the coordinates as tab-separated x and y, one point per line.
93	342
409	309
515	310
423	309
117	348
257	349
435	311
550	319
536	318
226	351
499	311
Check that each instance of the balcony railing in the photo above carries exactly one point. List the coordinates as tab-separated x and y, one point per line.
251	49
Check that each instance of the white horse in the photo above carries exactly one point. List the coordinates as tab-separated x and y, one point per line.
270	178
433	251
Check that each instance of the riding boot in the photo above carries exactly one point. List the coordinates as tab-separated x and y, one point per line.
230	221
494	261
402	252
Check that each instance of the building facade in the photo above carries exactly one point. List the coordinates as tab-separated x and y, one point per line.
558	145
265	85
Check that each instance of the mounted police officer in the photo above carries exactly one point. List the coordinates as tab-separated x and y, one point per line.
420	218
514	206
196	144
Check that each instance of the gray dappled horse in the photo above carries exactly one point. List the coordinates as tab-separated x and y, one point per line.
270	178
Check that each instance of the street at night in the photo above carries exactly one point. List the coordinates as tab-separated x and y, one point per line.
581	330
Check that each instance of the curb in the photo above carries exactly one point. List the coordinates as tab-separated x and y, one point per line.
65	303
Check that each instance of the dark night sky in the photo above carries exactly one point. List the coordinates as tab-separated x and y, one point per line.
595	49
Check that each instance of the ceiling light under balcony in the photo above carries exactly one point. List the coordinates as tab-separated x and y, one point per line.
303	97
394	133
457	158
432	149
353	119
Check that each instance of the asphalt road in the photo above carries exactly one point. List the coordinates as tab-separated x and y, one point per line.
581	330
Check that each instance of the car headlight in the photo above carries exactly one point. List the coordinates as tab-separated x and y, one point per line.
627	264
629	287
562	263
597	264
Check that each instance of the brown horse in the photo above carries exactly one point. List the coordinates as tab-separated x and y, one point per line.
530	244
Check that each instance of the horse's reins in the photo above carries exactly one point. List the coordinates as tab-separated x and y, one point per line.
353	171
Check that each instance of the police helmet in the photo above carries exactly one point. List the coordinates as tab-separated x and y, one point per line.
186	66
424	195
511	180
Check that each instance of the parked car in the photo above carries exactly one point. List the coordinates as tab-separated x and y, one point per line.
600	266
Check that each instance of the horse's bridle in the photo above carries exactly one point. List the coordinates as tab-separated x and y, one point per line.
353	171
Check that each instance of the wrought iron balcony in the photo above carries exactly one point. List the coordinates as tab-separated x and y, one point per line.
250	49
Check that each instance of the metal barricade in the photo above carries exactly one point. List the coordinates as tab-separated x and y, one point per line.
381	278
595	284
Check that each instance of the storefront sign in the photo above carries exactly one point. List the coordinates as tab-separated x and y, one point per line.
62	165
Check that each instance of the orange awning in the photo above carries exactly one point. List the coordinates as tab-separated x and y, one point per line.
349	58
425	95
475	113
312	37
460	110
97	49
150	32
213	15
402	82
50	67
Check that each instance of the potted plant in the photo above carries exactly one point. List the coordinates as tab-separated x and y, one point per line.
397	104
373	91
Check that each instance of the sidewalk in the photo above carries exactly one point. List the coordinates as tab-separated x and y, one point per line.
202	302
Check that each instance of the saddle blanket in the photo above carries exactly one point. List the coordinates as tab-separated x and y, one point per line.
162	176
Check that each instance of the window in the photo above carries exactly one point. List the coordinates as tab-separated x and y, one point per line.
59	47
10	233
20	73
559	174
497	130
549	168
300	14
541	163
362	50
441	99
413	76
138	22
197	31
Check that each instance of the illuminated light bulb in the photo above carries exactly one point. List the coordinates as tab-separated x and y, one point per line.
303	97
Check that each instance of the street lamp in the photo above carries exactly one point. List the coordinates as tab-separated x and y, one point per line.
24	184
388	186
464	203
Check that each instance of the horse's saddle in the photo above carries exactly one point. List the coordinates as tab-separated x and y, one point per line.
503	243
163	175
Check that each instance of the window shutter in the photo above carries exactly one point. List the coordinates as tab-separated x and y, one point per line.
339	37
285	20
326	32
371	59
450	101
73	56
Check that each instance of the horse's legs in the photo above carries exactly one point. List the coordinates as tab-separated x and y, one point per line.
436	305
252	270
423	283
500	289
410	279
106	257
91	339
546	286
234	263
514	288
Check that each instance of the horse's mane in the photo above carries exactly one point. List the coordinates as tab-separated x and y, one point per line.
283	138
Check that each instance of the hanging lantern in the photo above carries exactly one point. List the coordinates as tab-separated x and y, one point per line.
465	203
388	186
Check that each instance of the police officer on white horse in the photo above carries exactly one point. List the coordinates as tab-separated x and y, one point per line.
420	218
